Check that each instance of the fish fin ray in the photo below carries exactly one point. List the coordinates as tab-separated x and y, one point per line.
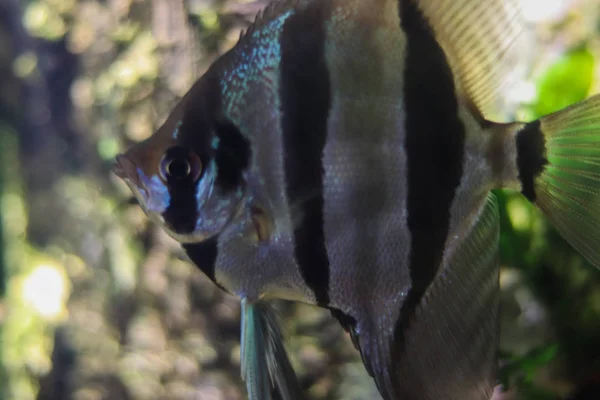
567	190
264	361
267	14
488	45
349	325
448	350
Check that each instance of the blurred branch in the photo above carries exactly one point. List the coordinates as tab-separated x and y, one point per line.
177	43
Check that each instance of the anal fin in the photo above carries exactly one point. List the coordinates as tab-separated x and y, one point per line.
448	348
265	364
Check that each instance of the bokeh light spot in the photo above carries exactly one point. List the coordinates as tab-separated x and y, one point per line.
46	289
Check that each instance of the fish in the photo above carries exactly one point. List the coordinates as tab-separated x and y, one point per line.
343	154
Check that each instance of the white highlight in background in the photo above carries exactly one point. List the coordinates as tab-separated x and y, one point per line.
544	10
46	290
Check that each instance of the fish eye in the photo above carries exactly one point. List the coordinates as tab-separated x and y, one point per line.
180	164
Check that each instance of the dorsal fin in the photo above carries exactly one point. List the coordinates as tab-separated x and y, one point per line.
271	11
488	45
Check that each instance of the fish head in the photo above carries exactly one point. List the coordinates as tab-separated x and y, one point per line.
210	175
189	176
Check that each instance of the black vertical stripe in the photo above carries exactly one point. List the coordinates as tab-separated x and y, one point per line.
182	212
204	255
531	157
305	104
232	154
203	128
435	138
192	119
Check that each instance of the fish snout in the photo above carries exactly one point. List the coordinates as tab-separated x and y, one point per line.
125	169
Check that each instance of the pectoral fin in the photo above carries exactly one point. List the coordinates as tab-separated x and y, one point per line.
447	350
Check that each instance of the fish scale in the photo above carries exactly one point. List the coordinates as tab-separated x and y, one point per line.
365	163
346	156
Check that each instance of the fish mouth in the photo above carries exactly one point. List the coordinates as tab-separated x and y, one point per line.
125	169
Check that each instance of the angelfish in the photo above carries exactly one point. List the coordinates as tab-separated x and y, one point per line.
342	154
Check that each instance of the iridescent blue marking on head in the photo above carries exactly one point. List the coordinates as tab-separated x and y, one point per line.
155	191
254	59
176	131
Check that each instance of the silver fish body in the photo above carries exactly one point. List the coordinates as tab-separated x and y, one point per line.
340	155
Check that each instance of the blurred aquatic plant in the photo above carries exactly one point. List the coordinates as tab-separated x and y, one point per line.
43	19
565	82
37	288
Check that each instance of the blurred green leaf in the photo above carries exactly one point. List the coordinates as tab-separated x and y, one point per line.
565	82
523	370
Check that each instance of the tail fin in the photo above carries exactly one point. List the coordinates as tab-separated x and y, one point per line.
558	158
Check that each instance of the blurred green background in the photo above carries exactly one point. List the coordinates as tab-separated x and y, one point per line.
96	303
